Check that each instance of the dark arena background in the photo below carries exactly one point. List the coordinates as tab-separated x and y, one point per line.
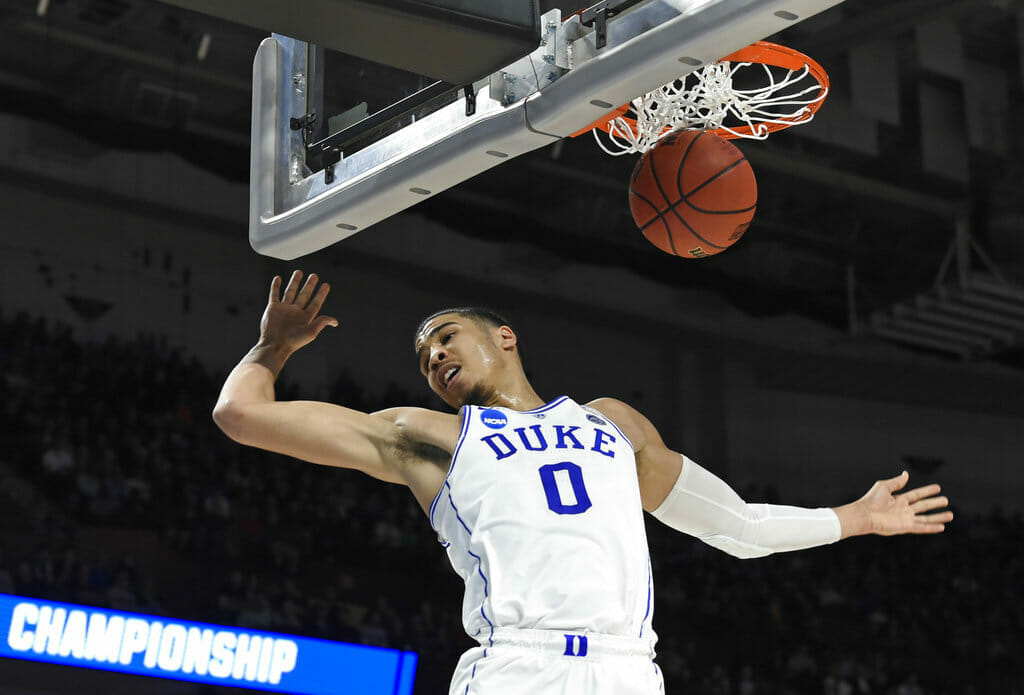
870	320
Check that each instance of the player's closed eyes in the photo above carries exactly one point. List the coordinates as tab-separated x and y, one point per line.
426	360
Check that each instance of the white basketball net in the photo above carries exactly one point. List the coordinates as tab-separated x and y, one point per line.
706	105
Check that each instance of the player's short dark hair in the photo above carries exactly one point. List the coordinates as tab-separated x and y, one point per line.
482	316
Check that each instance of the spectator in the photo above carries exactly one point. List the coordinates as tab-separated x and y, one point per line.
58	459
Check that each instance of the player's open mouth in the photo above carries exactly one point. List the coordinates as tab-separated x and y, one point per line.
449	374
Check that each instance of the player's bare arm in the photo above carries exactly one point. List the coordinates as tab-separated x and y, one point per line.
883	510
409	446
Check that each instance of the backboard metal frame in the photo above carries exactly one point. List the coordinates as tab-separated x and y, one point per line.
558	89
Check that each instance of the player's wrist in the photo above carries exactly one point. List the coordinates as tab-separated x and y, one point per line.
854	519
270	354
271	344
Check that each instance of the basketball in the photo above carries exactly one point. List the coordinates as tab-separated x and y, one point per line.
693	194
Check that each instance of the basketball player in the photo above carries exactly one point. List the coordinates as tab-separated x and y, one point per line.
539	504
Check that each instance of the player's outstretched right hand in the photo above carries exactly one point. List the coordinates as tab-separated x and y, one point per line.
290	320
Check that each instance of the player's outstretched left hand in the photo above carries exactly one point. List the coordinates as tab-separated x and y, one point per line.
915	511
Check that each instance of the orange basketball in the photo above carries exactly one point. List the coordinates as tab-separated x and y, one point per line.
693	194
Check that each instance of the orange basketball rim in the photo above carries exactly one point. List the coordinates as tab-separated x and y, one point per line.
766	53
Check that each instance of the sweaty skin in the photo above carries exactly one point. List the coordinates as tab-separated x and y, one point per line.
463	362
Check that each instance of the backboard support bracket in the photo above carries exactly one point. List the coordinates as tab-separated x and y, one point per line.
304	123
597	16
331	156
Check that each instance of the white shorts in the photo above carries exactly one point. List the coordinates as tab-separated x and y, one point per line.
549	662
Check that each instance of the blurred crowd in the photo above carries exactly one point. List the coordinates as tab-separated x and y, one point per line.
120	492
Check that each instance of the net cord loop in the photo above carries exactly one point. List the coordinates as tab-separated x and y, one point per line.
784	101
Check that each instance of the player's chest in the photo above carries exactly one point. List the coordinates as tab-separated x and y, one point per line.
560	465
498	435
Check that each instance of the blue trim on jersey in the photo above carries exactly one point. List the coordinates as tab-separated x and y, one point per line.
649	587
451	466
452	502
479	562
472	675
607	419
490	637
546	406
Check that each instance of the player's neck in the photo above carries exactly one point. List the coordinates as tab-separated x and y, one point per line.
518	395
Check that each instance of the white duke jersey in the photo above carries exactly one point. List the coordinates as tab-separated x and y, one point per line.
541	517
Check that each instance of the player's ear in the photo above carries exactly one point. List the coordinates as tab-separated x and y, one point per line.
506	338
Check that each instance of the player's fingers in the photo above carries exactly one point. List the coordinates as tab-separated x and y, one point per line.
919	493
928	504
275	290
897	483
302	298
929	528
323	322
293	286
931	523
318	298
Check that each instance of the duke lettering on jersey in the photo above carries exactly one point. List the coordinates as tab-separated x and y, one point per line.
543	437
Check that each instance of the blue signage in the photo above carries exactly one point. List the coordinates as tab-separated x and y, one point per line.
65	633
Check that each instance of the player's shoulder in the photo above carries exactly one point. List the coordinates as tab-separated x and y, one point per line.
612	406
626	417
405	412
423	425
411	416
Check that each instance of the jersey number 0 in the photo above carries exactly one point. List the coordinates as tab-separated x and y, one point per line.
551	491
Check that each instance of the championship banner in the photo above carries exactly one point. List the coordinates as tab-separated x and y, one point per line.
65	633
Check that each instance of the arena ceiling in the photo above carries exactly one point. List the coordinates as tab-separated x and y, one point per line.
918	131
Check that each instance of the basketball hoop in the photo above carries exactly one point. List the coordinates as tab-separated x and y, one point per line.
786	100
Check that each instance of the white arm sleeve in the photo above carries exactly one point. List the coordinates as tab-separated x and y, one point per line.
703	505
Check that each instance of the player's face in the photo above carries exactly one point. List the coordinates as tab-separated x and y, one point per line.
458	357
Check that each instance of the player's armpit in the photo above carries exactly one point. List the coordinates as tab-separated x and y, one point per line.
422	451
423	468
657	466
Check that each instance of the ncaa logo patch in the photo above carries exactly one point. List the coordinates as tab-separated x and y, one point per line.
595	419
493	418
